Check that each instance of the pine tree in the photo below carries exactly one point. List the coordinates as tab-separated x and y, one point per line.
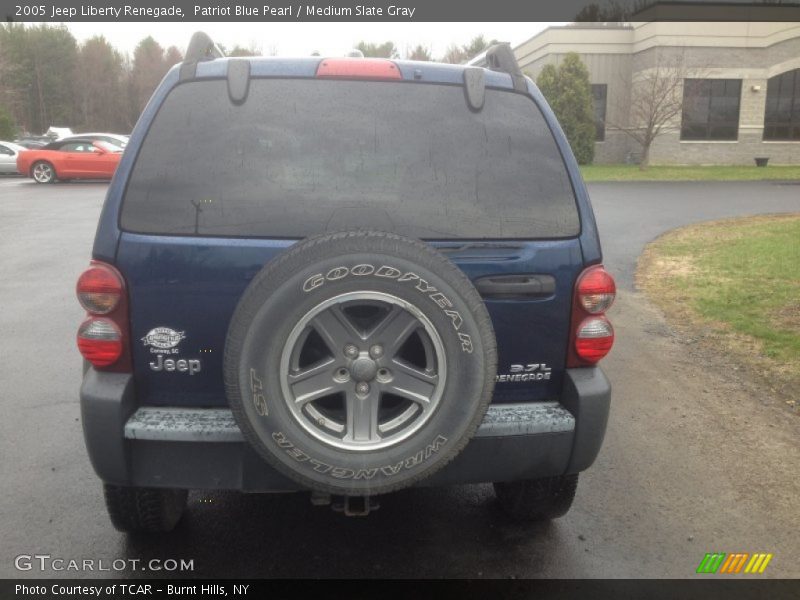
101	77
385	50
569	93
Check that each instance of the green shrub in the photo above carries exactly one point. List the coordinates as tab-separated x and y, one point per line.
569	93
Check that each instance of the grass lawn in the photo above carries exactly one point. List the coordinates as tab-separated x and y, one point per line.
716	173
739	281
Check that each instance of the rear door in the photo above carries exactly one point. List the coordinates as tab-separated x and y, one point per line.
104	160
219	189
74	159
93	161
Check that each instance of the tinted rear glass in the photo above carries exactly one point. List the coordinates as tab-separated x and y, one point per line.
301	157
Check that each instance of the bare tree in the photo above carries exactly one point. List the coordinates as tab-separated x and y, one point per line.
172	56
454	55
461	54
147	69
656	102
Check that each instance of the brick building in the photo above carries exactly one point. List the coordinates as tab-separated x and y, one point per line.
740	86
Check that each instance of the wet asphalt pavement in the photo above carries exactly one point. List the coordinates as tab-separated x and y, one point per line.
651	506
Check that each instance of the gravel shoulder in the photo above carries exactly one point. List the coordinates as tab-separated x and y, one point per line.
707	457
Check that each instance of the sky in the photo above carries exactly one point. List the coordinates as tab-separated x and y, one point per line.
301	39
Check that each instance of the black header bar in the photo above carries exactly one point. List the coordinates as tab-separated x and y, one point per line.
286	589
396	10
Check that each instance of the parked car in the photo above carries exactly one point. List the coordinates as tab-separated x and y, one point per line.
8	156
33	141
111	138
70	159
344	276
56	133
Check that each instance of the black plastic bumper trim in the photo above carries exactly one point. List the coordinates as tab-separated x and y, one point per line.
587	395
203	448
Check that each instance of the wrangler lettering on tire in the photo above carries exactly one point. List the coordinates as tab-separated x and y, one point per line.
376	355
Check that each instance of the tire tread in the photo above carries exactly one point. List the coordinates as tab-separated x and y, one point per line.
144	510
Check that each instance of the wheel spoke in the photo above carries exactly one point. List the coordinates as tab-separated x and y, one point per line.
313	383
393	331
335	329
411	383
337	396
362	416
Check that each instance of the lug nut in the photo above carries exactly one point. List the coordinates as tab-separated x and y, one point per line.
362	388
350	351
376	351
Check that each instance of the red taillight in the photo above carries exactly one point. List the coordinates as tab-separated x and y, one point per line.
358	68
594	339
596	290
99	289
100	341
592	334
103	338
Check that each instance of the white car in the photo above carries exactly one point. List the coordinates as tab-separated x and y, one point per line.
8	156
58	132
111	138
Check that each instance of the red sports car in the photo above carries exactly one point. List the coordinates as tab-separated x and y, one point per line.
70	159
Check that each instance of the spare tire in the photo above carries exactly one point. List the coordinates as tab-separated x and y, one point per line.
359	363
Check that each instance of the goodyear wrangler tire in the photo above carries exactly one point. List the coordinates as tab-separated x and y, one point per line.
359	363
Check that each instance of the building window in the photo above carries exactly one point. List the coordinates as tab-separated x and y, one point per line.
782	113
711	109
599	92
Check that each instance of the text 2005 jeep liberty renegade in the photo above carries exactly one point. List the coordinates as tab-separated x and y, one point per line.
346	276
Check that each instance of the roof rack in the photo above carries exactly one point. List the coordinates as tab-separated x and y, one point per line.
500	57
201	47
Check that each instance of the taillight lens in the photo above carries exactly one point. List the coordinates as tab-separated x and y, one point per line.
596	290
594	339
100	341
103	338
592	334
99	289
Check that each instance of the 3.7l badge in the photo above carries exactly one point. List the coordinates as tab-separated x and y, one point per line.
529	372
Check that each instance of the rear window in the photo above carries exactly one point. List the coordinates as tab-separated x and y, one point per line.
302	157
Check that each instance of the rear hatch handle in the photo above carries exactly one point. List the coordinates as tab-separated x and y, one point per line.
528	285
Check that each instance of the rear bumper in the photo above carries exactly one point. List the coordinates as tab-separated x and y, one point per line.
204	448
